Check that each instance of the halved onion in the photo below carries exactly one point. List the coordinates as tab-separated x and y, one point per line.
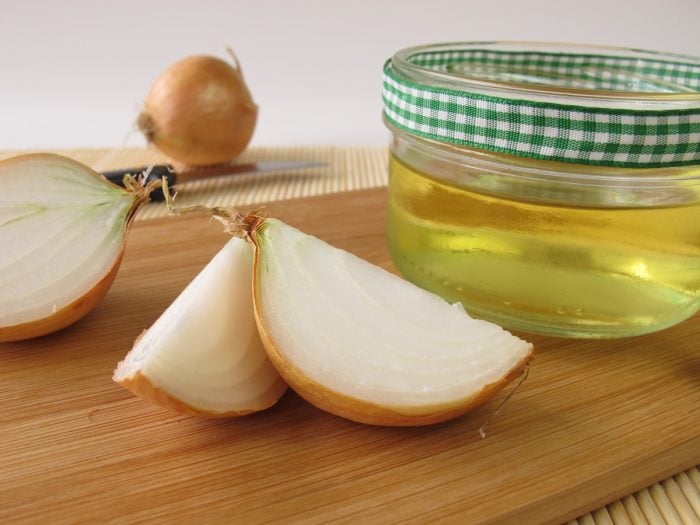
62	235
203	355
362	343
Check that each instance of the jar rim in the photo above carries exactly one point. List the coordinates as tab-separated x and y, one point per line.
429	91
403	62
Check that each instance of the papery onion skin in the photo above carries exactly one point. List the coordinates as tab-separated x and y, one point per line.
81	306
199	112
360	410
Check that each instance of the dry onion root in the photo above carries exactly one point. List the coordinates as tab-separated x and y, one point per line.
63	229
199	111
348	336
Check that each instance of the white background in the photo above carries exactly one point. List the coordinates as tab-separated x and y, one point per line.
75	72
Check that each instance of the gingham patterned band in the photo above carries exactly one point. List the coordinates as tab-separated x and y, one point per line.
552	131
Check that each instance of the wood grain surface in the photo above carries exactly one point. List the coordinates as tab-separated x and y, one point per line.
594	421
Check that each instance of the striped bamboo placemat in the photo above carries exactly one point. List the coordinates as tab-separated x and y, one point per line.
676	500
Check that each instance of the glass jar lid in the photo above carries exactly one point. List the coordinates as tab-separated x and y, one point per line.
567	103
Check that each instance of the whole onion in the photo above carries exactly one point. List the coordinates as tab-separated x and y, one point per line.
200	111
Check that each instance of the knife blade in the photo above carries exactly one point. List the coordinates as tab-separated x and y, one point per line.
174	176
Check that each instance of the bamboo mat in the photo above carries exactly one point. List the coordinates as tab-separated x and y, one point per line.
344	169
675	500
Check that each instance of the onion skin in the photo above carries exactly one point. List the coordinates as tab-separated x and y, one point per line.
199	112
81	306
359	410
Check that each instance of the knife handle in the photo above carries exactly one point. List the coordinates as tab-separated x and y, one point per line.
157	172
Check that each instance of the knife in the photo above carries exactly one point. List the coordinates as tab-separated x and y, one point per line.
173	176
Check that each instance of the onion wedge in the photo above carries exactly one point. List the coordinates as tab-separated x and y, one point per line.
62	235
203	355
364	344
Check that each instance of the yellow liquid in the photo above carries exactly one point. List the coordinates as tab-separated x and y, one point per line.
569	271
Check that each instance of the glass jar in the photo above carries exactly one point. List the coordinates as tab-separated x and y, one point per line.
549	188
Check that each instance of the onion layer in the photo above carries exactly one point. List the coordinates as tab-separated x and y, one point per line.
62	230
199	112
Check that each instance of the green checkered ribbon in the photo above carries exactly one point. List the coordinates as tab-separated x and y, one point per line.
551	131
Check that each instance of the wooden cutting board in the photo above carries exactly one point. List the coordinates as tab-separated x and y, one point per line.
594	421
